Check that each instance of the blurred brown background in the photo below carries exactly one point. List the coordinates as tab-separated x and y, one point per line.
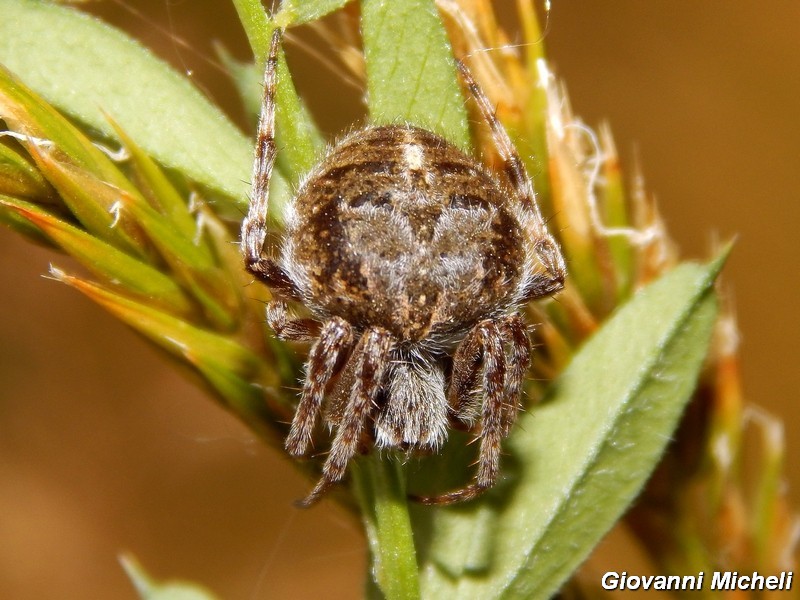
104	448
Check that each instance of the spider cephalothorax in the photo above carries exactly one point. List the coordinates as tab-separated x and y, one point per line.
413	260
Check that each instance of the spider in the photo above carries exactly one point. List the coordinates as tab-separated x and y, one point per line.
413	260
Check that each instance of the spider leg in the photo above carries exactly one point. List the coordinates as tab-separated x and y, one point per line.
287	328
467	368
254	226
494	383
542	243
513	329
334	341
464	378
372	360
482	351
513	166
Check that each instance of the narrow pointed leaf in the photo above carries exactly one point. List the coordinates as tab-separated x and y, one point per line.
533	146
92	201
149	589
104	260
411	74
192	263
161	110
245	384
157	187
173	334
12	219
578	459
20	178
26	112
579	238
616	208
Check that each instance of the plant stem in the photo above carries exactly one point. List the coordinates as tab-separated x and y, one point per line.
256	26
381	490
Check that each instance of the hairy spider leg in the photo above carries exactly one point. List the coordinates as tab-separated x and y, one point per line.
513	329
286	327
467	369
482	352
494	383
335	341
254	226
372	355
545	247
512	163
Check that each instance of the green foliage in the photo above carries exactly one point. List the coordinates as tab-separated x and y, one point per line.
160	109
574	462
303	11
410	71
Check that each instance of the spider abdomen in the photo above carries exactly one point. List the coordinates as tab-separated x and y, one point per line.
398	228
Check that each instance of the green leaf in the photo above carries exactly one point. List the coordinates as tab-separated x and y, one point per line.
46	45
246	384
532	146
85	178
25	112
20	178
579	458
12	219
157	188
92	201
294	12
616	208
247	79
411	74
149	589
191	262
105	260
